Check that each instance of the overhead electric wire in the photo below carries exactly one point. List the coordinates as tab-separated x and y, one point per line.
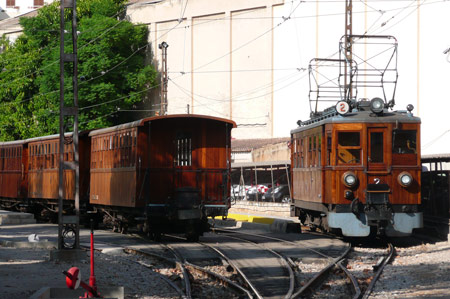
210	62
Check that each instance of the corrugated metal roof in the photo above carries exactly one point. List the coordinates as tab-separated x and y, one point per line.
435	158
262	164
247	145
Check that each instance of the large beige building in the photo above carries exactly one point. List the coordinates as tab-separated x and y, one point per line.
220	58
247	60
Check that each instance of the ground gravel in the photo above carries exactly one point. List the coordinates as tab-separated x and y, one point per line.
417	271
421	271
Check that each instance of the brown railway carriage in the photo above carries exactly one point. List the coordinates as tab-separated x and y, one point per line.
13	169
43	167
358	171
166	167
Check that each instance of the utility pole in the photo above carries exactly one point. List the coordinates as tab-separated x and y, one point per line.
348	40
164	79
68	225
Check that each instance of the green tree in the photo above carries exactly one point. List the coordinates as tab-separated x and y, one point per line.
112	73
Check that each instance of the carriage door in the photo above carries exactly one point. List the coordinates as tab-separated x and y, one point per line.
377	149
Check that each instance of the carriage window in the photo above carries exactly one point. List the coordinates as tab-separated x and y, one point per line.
183	145
404	142
349	148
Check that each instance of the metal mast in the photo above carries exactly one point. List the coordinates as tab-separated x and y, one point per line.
348	39
68	225
163	109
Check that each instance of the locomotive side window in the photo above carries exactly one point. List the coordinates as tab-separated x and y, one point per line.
302	153
319	150
183	145
404	142
328	148
349	148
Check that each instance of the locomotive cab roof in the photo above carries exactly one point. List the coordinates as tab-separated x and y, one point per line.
360	114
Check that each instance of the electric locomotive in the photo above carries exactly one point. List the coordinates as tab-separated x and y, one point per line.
356	165
358	172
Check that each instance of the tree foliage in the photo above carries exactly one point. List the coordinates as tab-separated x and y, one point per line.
112	73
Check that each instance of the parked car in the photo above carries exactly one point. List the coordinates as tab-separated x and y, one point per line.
238	191
255	193
277	194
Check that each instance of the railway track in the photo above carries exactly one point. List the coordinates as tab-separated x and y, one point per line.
213	272
268	267
171	266
291	252
354	272
362	270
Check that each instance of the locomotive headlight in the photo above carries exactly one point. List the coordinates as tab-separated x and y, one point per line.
376	105
349	179
405	179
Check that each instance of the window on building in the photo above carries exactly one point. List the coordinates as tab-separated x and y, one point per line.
10	3
38	2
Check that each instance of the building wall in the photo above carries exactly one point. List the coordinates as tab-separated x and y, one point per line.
19	7
9	16
248	60
272	152
219	58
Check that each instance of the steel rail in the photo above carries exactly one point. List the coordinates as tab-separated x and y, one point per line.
352	279
275	239
221	279
243	276
321	274
167	280
282	258
337	261
181	263
386	260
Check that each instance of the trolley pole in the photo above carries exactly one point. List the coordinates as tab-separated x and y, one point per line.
68	225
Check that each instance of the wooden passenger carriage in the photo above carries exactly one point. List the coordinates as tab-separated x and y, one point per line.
173	167
347	172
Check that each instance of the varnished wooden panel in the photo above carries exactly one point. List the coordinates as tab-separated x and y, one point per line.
116	187
12	171
10	184
209	156
45	184
308	184
43	169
